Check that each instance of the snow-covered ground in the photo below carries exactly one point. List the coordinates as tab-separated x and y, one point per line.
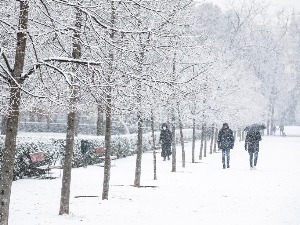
200	193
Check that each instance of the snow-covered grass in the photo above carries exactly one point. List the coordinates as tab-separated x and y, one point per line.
200	193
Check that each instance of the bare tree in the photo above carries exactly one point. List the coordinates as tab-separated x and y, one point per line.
71	123
174	164
15	81
205	140
212	137
153	146
181	136
99	120
107	162
215	137
140	61
194	140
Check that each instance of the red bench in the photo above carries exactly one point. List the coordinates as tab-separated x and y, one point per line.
36	157
101	151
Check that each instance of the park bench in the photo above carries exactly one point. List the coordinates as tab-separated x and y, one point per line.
36	157
101	151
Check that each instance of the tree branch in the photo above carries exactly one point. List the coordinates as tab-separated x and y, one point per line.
7	24
70	60
6	61
4	77
95	19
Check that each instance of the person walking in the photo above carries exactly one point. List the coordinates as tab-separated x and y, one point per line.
273	129
165	140
281	128
225	143
252	140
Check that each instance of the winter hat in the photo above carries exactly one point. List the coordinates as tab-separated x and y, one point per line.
225	125
164	125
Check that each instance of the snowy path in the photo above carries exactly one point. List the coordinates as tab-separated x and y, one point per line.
200	193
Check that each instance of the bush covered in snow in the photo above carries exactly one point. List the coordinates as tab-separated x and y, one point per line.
83	154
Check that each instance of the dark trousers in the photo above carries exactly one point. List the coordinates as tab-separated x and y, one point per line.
255	156
226	155
166	150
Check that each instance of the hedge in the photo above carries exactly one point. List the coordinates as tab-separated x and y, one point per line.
83	154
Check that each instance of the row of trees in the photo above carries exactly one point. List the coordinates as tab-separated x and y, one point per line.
174	61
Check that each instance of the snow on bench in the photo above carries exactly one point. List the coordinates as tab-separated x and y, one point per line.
112	157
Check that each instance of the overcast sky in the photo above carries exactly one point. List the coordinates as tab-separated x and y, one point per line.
276	4
288	4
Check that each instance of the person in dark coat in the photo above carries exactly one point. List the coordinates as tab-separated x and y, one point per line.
281	128
273	129
252	140
165	140
225	143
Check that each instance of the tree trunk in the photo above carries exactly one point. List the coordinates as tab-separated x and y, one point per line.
272	123
202	139
141	58
268	127
107	162
243	135
138	167
216	138
194	140
153	145
205	140
67	167
173	144
173	120
212	136
9	154
181	136
71	124
13	116
99	121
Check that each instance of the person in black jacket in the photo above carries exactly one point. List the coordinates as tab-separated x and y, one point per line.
165	140
252	140
225	143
